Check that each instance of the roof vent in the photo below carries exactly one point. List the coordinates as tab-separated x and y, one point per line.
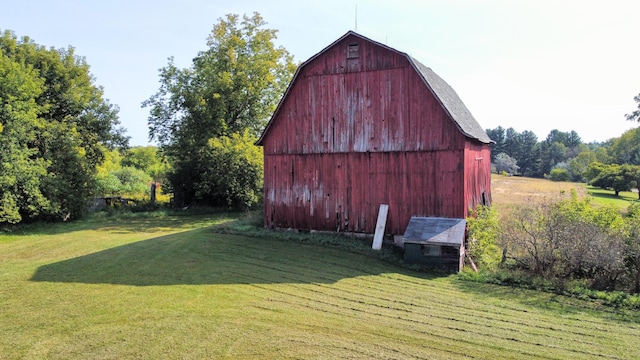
353	51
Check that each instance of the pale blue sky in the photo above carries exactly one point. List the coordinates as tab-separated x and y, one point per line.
531	65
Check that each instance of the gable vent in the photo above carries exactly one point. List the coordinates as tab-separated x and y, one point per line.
353	51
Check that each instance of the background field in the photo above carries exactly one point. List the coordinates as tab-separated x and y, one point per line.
509	191
170	287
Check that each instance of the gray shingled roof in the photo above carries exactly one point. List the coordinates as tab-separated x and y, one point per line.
452	103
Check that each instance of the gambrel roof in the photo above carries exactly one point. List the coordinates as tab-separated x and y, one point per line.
442	91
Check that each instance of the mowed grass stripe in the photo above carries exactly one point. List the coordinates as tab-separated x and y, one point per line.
344	304
432	303
557	340
371	327
497	312
267	262
427	335
445	323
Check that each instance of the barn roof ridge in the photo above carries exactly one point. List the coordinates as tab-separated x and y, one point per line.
443	92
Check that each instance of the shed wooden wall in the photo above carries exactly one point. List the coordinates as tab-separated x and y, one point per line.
352	134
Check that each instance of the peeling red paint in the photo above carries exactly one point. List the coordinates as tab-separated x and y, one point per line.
354	133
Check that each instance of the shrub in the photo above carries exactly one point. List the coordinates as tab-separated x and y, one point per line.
560	174
233	171
567	239
484	228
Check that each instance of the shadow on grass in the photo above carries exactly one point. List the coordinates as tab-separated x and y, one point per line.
129	223
202	257
560	304
610	195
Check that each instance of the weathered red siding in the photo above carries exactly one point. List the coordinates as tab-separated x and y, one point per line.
354	133
343	191
477	183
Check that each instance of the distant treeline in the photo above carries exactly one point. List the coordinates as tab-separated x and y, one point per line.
521	153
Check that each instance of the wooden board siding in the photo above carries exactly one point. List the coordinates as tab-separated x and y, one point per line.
352	133
375	110
342	191
477	187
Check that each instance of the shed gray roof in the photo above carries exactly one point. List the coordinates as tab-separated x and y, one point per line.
435	231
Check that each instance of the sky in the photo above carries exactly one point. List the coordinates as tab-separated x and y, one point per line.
534	65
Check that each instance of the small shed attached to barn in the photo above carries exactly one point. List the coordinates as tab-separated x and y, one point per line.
435	242
362	124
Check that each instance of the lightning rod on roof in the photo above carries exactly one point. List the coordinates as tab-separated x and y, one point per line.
356	29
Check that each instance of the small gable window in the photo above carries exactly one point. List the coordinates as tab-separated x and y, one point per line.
353	51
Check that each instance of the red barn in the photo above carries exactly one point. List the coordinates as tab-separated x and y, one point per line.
360	125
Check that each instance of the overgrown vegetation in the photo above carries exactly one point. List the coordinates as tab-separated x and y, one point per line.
565	245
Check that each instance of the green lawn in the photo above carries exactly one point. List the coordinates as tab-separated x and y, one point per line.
608	197
170	287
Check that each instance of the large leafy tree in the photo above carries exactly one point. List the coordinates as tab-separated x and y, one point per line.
147	159
506	163
55	124
635	115
626	148
232	86
615	177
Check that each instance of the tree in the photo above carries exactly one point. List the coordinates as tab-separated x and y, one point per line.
231	87
240	184
527	153
579	164
147	159
20	170
499	138
506	163
635	115
626	148
632	173
612	177
56	125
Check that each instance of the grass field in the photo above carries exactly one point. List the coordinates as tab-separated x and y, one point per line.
171	288
508	191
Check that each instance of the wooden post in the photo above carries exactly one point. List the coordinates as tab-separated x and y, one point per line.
152	191
380	225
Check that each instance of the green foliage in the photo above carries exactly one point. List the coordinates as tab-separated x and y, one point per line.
635	115
233	86
484	229
55	125
147	159
559	174
505	163
616	177
235	171
578	165
632	248
626	148
134	181
569	239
